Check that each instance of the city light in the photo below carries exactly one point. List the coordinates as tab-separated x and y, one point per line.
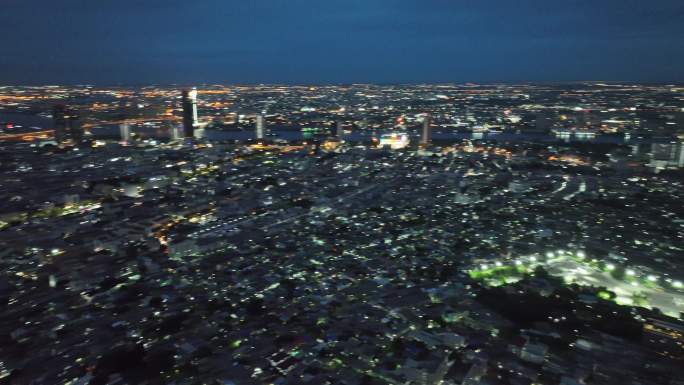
307	234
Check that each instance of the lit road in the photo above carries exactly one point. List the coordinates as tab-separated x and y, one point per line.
27	136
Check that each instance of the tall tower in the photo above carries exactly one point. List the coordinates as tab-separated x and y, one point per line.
340	130
67	124
176	132
427	134
59	113
189	112
125	131
260	126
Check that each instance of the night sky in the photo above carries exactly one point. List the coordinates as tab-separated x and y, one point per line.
335	41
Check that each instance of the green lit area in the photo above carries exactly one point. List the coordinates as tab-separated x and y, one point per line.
625	285
499	275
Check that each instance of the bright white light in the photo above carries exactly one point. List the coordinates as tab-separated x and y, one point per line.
677	284
484	267
499	264
631	272
533	258
518	263
549	254
580	254
610	267
652	278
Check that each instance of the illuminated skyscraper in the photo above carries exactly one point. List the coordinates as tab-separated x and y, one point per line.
190	119
260	126
427	134
67	124
125	131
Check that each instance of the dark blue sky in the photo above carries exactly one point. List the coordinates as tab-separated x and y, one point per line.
332	41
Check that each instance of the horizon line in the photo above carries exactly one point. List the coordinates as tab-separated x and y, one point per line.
331	84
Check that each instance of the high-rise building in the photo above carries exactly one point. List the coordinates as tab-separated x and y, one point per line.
667	155
125	131
663	151
340	130
544	120
190	119
59	114
260	126
176	132
67	124
427	134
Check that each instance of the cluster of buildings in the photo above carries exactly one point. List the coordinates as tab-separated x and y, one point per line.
248	264
583	111
200	261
